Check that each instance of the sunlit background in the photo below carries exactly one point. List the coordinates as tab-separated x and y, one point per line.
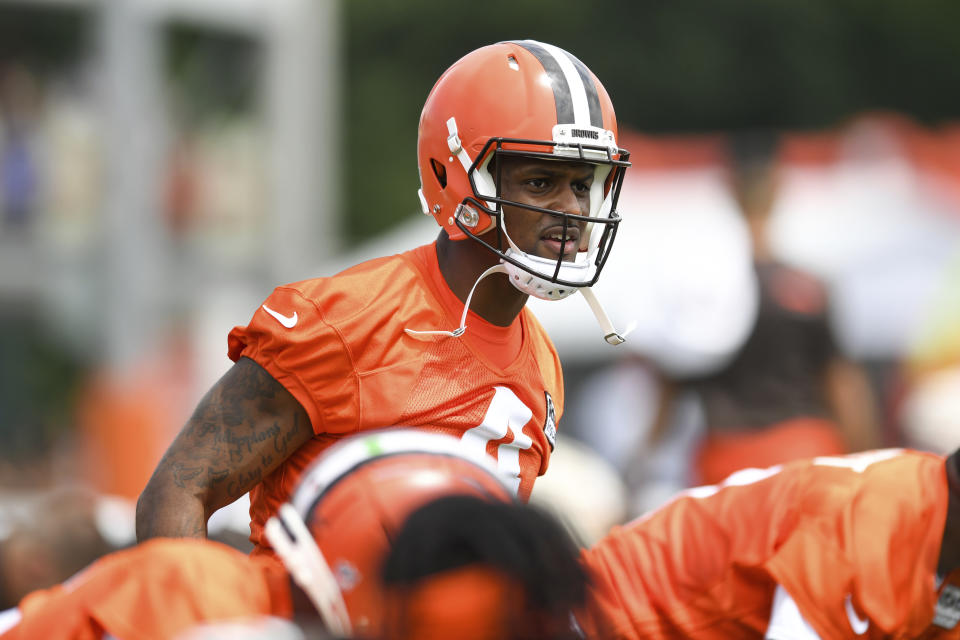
165	163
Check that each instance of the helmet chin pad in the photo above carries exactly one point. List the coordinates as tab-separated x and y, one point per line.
538	286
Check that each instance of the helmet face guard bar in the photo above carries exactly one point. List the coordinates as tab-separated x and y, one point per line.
588	154
603	247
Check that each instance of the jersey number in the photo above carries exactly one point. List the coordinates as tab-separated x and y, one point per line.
506	413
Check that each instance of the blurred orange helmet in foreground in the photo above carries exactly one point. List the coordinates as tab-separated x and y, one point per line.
334	534
473	569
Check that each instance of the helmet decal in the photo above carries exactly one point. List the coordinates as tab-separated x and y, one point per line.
573	89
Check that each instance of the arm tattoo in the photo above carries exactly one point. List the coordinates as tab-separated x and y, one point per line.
182	474
242	429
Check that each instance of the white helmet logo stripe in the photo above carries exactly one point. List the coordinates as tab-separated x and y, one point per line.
577	100
578	93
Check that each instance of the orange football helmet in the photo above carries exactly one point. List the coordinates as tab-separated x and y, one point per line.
520	98
336	530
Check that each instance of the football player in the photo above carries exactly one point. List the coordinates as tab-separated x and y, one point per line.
859	546
519	165
513	571
469	569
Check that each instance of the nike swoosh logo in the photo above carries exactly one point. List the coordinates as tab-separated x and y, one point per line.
288	321
858	624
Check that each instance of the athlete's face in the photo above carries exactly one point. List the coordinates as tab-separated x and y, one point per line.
558	185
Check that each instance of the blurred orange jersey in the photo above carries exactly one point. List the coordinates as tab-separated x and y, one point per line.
338	345
156	591
853	541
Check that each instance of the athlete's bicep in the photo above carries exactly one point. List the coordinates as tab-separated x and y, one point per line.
786	621
245	426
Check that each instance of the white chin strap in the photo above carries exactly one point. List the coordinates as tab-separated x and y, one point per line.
302	557
459	331
611	335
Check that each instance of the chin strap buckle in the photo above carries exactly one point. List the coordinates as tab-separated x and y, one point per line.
614	338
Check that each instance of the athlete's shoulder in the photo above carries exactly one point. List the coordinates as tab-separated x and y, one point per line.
892	472
190	562
174	550
158	586
380	283
871	531
171	583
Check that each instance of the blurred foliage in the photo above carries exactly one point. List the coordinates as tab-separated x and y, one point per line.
670	67
39	383
211	73
43	39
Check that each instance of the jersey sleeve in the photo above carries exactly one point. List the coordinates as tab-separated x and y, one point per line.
872	561
289	337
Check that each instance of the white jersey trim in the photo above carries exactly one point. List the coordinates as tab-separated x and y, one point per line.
9	619
786	621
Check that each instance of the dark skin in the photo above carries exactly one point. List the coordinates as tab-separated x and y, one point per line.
950	547
562	186
248	423
245	426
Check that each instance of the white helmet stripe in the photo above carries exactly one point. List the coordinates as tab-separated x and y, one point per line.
578	93
577	100
341	458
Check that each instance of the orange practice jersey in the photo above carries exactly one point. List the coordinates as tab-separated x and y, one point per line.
854	540
156	591
338	345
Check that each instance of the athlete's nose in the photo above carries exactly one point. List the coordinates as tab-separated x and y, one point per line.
568	201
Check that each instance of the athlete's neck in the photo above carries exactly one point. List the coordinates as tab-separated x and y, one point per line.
461	263
950	546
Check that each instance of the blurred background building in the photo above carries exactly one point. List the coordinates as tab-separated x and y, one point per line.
165	163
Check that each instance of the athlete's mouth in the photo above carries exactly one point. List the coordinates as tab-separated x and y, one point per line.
560	243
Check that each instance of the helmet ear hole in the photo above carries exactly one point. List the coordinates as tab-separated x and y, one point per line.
439	171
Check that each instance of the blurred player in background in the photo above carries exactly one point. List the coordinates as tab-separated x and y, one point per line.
519	164
48	537
859	546
789	392
470	562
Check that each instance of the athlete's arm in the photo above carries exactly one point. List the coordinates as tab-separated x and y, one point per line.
245	426
852	402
